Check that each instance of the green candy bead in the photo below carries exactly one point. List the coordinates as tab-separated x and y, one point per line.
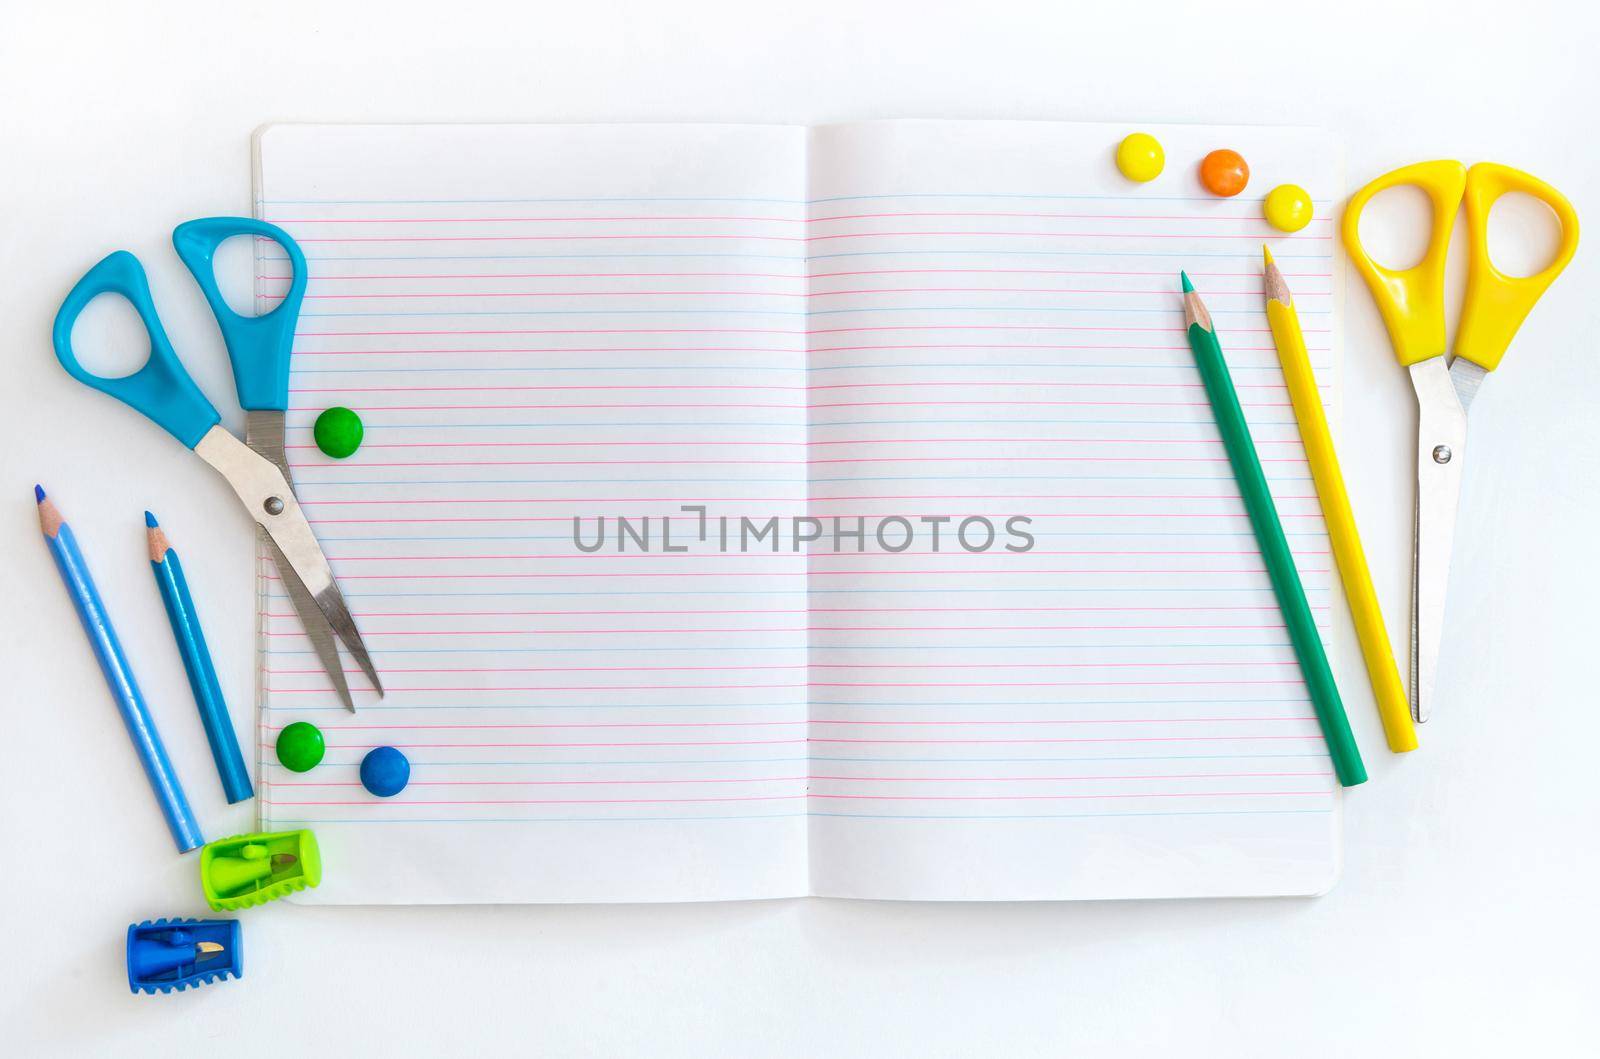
300	747
338	432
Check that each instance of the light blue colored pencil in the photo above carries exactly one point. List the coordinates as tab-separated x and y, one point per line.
119	675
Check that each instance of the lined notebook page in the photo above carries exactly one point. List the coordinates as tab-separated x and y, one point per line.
995	330
538	323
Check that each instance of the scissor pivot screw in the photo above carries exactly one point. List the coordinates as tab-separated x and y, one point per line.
274	504
1441	454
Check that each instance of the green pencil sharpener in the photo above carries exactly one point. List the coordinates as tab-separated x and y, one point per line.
248	870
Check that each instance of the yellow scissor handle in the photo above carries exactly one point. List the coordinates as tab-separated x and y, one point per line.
1496	304
1411	300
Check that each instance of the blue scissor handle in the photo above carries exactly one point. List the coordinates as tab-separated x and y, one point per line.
258	346
161	389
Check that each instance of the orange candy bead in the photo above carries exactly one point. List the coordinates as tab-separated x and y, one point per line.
1224	172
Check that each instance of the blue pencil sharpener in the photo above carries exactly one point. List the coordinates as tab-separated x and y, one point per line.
168	954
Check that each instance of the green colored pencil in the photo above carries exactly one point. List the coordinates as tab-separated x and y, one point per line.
1274	546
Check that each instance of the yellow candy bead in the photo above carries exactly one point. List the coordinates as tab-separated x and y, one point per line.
1140	157
1287	208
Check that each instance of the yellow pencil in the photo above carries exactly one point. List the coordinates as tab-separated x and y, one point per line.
1393	706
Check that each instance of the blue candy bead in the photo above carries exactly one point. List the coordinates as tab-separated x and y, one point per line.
385	772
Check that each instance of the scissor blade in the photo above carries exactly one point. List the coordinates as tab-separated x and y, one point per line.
1441	448
315	624
267	495
263	432
1467	377
331	602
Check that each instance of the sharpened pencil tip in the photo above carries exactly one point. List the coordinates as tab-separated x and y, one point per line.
156	537
1194	310
1266	254
38	494
1272	284
50	520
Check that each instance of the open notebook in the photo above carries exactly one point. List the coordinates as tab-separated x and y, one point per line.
874	322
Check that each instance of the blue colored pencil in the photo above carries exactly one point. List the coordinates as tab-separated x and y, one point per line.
197	664
119	675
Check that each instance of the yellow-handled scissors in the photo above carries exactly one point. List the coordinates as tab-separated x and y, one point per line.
1412	303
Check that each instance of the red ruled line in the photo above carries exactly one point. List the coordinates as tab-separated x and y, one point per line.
1232	349
817	463
853	666
1165	274
849	292
567	519
747	443
512	575
791	332
968	384
683	557
818	499
830	514
739	218
761	630
1269	608
846	779
481	689
392	803
798	408
794	724
780	742
804	240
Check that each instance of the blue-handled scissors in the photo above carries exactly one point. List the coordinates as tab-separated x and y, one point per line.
256	468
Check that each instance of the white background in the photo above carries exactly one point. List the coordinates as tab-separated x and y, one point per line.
1467	920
